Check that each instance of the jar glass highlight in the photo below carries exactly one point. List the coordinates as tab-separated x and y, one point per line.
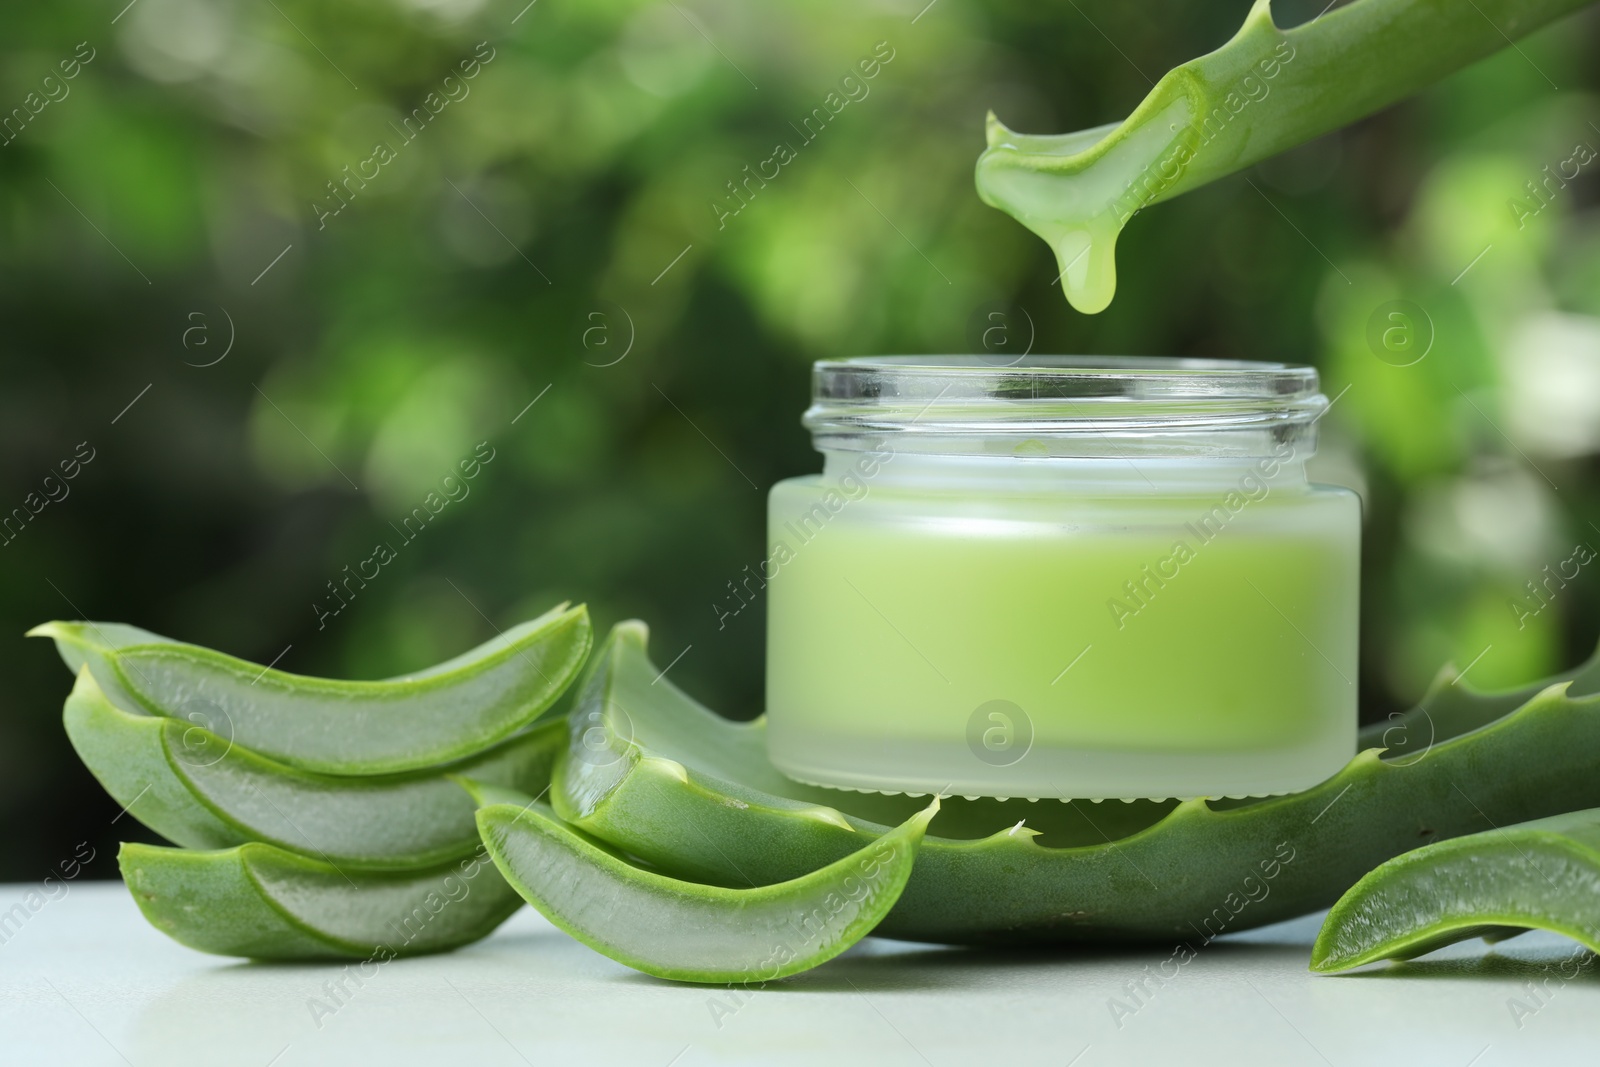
1068	577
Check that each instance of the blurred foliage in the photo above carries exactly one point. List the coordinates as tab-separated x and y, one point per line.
549	238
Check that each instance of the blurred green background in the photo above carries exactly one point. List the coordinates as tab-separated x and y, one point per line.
300	380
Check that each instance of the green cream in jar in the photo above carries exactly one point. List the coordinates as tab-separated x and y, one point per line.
1068	577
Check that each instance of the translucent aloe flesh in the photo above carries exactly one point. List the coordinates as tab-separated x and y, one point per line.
338	727
1539	875
1263	92
690	932
263	903
195	789
656	775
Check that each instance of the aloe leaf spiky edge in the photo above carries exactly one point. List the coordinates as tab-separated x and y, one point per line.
1452	706
658	776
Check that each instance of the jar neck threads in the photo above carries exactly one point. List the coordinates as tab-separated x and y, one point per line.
1129	409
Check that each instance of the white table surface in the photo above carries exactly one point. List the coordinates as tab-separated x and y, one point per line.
86	981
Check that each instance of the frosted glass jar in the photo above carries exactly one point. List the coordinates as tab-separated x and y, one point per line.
1069	577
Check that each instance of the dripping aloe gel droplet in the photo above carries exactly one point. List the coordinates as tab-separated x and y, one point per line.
1068	577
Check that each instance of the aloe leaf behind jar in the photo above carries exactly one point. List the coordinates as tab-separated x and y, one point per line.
197	790
1452	706
656	775
331	726
1263	92
1538	875
264	903
686	931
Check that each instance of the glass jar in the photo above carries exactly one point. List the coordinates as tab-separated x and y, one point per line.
1067	577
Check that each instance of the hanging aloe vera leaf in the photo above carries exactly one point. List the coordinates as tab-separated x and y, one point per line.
1539	875
654	774
419	720
196	790
264	903
683	930
1263	92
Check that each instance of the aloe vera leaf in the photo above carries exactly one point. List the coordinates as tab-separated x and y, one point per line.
1452	706
654	774
265	903
1263	92
193	788
1539	875
333	726
686	931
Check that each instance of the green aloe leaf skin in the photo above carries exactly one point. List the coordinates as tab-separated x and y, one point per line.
686	931
193	788
420	720
264	903
655	775
1539	875
1452	707
1263	92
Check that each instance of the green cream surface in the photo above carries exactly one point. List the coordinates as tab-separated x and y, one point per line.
1147	644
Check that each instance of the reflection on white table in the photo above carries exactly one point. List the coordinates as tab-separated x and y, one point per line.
84	980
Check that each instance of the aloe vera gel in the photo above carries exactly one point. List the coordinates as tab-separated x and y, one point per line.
1084	578
1265	91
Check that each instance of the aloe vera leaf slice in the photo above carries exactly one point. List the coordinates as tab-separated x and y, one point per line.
1264	91
264	903
81	644
341	727
1538	875
656	775
193	788
690	932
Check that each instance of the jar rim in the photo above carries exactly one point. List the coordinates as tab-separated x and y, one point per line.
1163	403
